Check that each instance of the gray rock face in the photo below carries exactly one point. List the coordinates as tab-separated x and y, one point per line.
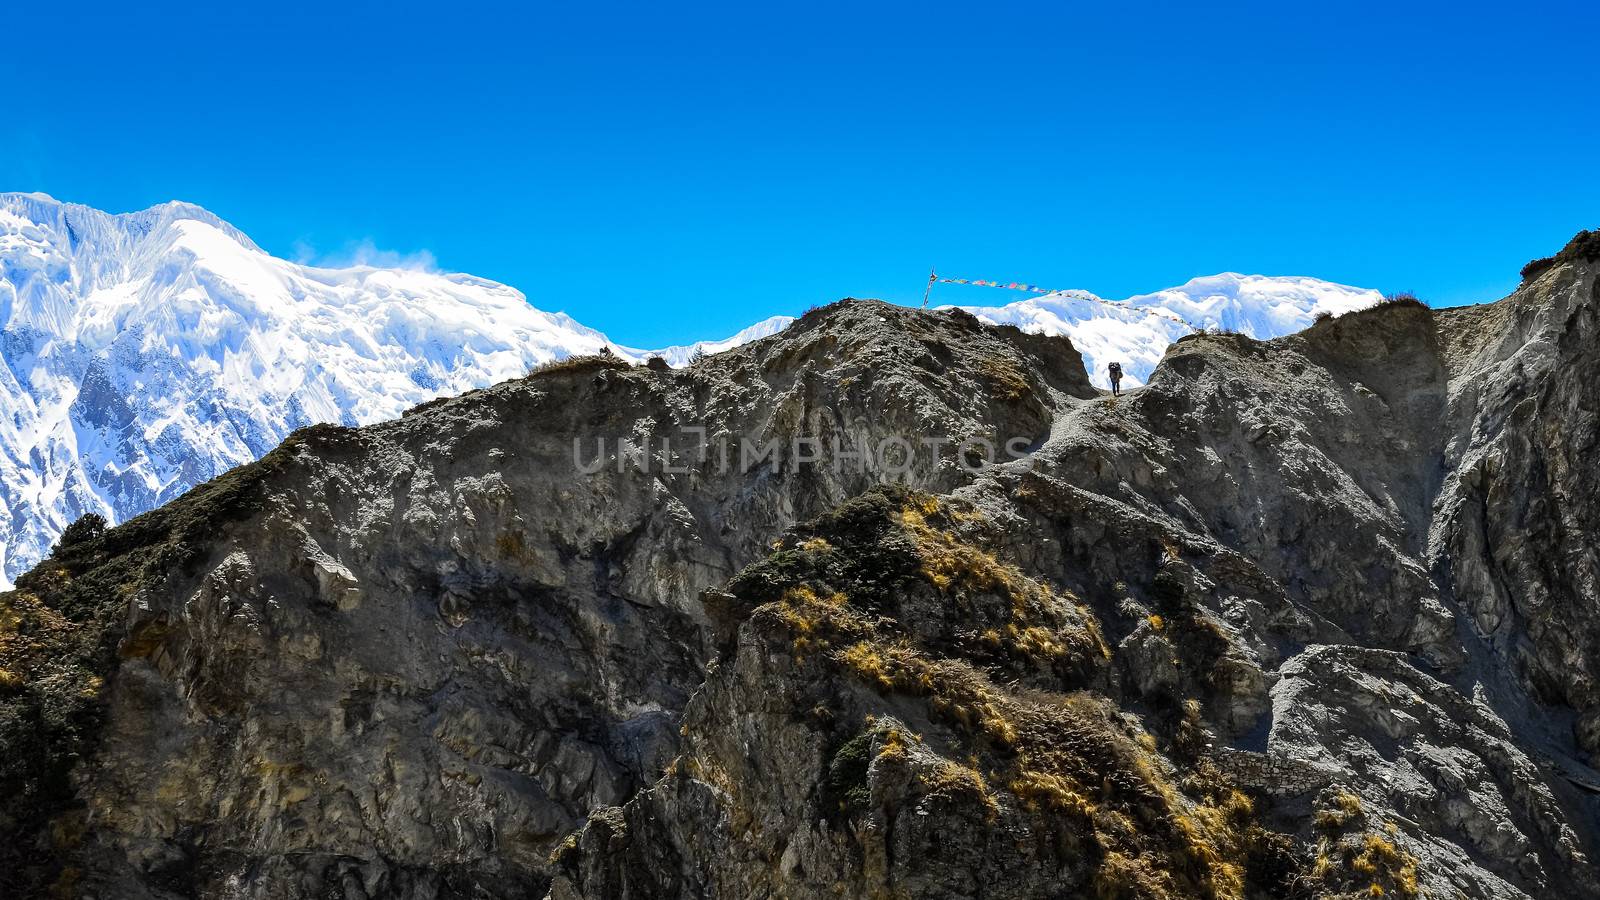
1274	537
1307	617
1514	522
439	644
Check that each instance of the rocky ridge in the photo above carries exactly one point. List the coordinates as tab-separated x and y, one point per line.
1302	617
145	353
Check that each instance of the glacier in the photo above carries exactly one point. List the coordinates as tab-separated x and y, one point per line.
148	352
144	353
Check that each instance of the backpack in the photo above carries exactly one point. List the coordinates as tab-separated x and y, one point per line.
1116	370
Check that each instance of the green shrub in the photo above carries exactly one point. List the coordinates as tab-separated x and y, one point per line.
1584	246
1403	298
589	362
846	789
85	528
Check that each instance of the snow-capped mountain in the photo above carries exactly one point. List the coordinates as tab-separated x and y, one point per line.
1136	331
685	354
142	354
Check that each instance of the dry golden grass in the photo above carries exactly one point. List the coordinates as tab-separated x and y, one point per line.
27	628
1354	859
592	362
1065	760
1058	759
957	567
1346	807
1005	379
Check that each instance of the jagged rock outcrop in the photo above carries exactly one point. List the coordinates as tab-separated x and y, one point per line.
1305	617
422	652
1268	535
1514	527
145	353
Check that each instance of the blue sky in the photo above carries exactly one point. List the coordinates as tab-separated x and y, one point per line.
667	172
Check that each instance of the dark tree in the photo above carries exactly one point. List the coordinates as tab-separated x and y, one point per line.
86	528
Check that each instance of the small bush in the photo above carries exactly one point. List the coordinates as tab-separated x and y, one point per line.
1584	246
1537	267
85	528
846	789
1407	298
590	362
1343	808
819	308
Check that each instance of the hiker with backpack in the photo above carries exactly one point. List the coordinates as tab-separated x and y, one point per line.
1115	371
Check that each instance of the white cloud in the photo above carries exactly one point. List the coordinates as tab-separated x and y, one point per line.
364	253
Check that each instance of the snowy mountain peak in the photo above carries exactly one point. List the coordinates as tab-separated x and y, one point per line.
685	354
141	354
101	230
144	353
1136	331
1257	305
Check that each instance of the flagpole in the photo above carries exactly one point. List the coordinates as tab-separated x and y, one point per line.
931	276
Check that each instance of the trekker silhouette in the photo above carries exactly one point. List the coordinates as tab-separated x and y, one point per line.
1115	371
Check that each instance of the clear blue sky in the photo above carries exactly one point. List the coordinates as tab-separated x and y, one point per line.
671	171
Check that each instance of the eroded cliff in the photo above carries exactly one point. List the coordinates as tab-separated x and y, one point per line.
1306	617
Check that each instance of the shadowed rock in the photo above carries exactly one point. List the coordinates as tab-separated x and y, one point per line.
1303	617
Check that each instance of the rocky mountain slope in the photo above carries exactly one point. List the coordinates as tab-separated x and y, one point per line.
143	354
1302	617
481	626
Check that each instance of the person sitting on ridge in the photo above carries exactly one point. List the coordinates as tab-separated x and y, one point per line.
1115	371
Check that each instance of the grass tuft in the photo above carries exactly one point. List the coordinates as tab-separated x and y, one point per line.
573	365
896	593
1584	247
